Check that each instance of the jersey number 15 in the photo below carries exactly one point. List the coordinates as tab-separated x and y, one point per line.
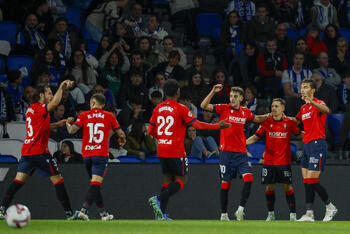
94	131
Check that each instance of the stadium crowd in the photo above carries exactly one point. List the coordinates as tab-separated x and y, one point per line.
266	47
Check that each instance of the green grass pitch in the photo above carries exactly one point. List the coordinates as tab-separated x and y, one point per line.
177	227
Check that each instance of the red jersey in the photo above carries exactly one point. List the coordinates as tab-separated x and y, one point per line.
38	130
170	120
96	125
277	135
233	138
313	120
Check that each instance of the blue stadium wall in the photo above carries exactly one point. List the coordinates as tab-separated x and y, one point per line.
128	186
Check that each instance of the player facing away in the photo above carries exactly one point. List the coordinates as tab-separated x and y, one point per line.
96	125
168	125
233	153
313	115
277	130
35	151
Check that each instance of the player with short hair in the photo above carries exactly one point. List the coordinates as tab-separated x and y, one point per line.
313	115
233	151
35	151
277	130
168	125
96	125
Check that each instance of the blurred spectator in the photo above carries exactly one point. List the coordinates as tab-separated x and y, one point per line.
101	18
197	88
139	142
247	60
43	77
59	133
344	14
198	65
135	87
344	98
168	46
172	69
145	46
110	100
14	87
154	31
261	27
271	64
56	46
232	33
325	92
220	77
340	58
331	77
296	13
309	59
285	44
83	74
56	8
159	81
46	59
16	10
45	19
245	9
115	149
186	99
314	43
137	63
331	36
291	81
112	71
90	59
29	39
250	98
67	37
344	92
156	97
119	35
131	113
69	103
324	13
103	47
24	103
209	117
67	154
7	112
198	147
75	93
137	19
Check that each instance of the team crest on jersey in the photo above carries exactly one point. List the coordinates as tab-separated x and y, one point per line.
310	107
285	126
189	114
271	125
243	113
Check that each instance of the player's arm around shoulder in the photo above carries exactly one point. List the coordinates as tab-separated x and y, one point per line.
205	105
261	118
252	139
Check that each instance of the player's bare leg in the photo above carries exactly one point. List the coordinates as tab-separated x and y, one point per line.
270	201
247	179
290	198
61	193
20	179
225	188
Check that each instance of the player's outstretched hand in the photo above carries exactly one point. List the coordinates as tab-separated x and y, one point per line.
61	123
67	84
122	141
222	124
217	88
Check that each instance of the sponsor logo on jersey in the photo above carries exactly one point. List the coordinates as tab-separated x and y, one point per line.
93	147
165	142
30	110
237	120
278	134
306	116
27	141
166	108
96	115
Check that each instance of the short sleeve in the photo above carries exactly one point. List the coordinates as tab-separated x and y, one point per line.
43	109
219	108
295	130
261	131
250	115
115	125
187	115
80	120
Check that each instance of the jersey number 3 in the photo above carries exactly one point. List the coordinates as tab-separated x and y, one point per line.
94	131
168	121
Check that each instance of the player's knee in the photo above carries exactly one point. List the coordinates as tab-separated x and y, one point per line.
248	177
22	177
97	178
287	187
270	187
56	179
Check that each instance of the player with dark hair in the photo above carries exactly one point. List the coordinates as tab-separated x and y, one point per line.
35	151
277	156
168	125
233	151
96	125
313	115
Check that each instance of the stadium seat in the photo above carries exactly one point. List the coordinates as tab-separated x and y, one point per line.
344	32
129	159
212	160
334	121
24	64
11	147
8	159
194	160
293	148
8	31
292	33
76	142
53	146
208	24
152	159
17	130
302	32
3	78
91	46
73	15
257	149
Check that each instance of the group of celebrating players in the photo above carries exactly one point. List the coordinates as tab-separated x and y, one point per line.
168	125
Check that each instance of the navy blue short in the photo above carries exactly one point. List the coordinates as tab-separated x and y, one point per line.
45	164
231	163
96	165
272	174
174	166
314	155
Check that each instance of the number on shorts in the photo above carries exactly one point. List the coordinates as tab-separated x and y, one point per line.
264	172
222	169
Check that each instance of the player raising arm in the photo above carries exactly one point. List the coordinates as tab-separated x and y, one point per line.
313	115
277	156
35	151
96	125
168	125
233	152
